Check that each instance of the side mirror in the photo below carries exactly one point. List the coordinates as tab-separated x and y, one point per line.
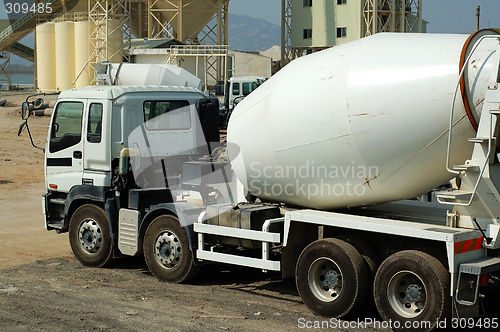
237	100
25	110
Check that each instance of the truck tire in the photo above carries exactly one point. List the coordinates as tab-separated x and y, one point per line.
89	236
331	278
411	287
372	262
167	251
368	254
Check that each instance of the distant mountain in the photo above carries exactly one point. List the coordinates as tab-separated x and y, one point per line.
252	34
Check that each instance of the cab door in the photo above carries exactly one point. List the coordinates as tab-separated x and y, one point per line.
64	151
97	144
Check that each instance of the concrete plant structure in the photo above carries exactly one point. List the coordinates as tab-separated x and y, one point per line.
77	34
309	26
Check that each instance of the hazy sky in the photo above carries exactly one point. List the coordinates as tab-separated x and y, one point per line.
451	16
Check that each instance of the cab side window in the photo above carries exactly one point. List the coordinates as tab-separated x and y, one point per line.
66	128
94	126
249	87
167	115
236	89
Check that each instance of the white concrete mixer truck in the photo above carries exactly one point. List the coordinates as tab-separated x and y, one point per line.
317	178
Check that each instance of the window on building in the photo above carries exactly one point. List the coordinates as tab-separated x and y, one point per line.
341	32
308	3
341	2
307	33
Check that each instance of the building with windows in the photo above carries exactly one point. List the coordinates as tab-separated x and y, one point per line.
319	24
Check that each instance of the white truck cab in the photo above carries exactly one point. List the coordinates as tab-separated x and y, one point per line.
92	126
238	87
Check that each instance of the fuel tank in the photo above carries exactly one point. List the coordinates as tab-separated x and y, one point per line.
362	123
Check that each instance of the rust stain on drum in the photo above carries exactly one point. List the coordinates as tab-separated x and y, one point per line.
367	182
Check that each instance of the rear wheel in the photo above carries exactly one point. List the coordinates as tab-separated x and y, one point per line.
89	236
167	251
412	286
369	255
372	262
330	277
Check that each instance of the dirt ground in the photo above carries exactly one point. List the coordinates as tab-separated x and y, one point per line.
22	236
44	288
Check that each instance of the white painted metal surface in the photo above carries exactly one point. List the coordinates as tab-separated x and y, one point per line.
238	260
126	104
493	232
112	92
361	123
128	231
150	74
246	234
265	236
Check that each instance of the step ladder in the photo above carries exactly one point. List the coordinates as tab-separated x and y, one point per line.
476	172
265	236
474	271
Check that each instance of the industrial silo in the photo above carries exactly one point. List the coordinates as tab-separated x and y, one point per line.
65	55
83	49
45	57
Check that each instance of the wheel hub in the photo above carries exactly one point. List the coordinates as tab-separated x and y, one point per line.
413	293
325	279
331	278
168	249
90	236
407	294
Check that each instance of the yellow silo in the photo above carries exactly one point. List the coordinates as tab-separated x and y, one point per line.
83	49
45	57
65	55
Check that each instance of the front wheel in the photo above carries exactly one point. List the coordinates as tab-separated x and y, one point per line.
412	288
167	251
331	278
89	236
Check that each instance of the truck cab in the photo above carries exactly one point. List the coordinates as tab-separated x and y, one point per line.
93	127
240	87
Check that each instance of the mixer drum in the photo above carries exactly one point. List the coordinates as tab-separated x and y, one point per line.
361	123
